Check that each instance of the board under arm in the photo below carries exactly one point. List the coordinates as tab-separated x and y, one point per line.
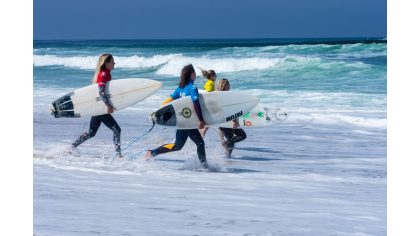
197	109
103	96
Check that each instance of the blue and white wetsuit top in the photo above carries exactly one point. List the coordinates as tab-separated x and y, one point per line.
189	90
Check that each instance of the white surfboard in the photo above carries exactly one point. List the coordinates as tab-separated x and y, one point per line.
85	101
216	107
260	116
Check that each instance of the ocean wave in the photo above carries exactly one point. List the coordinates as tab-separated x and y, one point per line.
170	64
314	119
224	65
324	100
353	120
89	62
358	50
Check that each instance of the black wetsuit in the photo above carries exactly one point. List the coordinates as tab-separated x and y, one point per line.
181	137
233	136
95	122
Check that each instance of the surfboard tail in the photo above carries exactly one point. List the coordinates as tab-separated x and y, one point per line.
165	116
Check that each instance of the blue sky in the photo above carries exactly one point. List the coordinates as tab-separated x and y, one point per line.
180	19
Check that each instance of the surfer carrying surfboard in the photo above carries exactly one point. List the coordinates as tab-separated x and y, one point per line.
186	88
211	76
234	134
102	76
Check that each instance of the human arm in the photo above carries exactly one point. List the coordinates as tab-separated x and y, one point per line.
235	123
197	107
102	79
174	95
105	98
168	100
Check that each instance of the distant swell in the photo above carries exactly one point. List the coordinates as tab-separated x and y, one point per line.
169	64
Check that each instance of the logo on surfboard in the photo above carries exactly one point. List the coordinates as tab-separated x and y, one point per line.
186	112
234	116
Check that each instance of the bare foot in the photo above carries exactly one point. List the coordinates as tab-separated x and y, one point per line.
148	155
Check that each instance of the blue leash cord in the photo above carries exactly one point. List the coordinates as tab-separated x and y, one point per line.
132	143
133	157
139	137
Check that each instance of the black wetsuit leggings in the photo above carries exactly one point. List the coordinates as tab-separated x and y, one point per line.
95	122
181	137
233	136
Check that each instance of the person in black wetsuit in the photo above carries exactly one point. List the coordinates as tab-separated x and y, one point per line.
234	134
102	76
186	88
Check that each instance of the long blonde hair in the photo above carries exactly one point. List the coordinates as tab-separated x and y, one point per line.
222	85
103	59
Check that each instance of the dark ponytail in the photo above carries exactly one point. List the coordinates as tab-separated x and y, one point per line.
186	73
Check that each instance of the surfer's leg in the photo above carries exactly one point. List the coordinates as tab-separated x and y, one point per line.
228	133
239	135
181	138
110	122
196	137
95	122
229	143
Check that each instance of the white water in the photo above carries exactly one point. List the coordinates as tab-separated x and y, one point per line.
335	184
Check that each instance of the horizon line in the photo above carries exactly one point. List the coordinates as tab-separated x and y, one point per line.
268	38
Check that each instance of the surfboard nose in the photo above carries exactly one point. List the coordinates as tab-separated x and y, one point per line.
158	83
52	110
152	117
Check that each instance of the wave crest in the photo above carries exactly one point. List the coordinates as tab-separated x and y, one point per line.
89	62
170	64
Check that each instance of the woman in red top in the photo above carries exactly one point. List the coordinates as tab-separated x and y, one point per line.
102	76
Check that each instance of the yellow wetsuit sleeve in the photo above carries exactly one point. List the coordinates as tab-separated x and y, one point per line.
168	100
209	86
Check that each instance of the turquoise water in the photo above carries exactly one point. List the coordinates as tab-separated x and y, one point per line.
272	65
304	76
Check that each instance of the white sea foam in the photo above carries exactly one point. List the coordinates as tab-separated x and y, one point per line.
219	64
171	63
326	118
89	62
367	110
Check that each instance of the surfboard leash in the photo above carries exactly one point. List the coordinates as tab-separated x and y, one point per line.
133	157
135	140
